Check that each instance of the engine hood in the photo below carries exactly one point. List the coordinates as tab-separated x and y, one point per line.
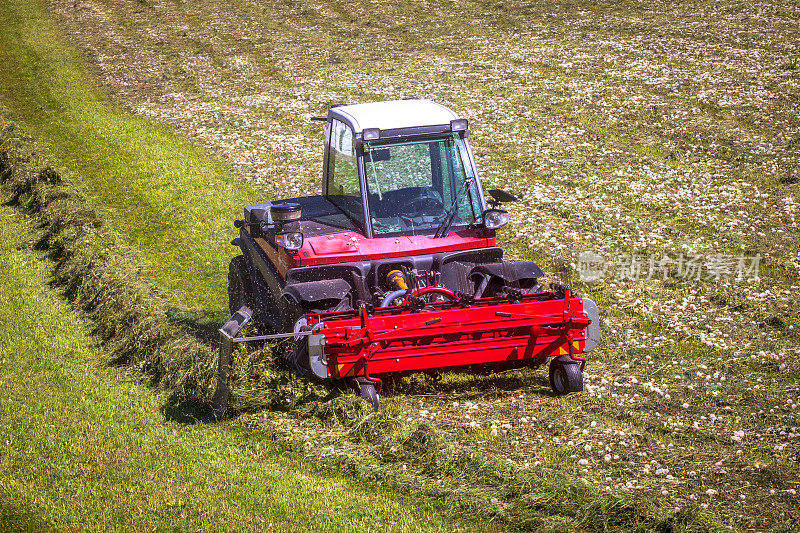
352	246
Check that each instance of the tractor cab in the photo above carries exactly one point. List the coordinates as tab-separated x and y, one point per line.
399	178
402	168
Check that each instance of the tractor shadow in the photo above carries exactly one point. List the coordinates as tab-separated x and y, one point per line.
452	386
187	411
203	328
472	386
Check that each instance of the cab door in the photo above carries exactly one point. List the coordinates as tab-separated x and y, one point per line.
342	183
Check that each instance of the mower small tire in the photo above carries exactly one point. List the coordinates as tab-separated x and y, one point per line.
565	377
368	392
240	290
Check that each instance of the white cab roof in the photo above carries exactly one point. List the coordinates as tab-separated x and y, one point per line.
395	114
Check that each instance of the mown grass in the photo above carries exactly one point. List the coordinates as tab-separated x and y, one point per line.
96	273
537	131
83	448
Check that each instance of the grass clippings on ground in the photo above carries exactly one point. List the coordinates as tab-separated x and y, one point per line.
629	130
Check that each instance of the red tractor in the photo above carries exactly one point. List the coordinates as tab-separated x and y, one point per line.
395	268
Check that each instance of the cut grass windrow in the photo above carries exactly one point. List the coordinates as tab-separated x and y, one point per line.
83	449
101	275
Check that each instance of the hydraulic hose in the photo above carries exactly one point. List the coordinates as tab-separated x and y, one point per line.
393	296
419	292
435	290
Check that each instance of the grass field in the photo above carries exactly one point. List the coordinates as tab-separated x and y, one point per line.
637	131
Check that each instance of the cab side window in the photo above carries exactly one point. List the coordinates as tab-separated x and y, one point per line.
342	175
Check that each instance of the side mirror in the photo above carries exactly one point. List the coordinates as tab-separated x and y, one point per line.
499	196
495	218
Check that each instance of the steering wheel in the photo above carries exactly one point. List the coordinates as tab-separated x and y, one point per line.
425	205
424	201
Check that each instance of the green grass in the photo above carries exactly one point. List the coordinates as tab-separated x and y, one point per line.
502	66
95	271
83	449
164	196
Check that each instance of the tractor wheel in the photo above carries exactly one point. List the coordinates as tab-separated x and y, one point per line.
367	390
296	354
565	377
240	290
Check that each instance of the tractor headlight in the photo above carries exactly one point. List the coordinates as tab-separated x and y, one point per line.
292	240
372	134
459	124
495	218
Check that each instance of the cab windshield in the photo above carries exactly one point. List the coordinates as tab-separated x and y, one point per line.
412	185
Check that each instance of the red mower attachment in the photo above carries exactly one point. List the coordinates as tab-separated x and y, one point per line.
488	332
